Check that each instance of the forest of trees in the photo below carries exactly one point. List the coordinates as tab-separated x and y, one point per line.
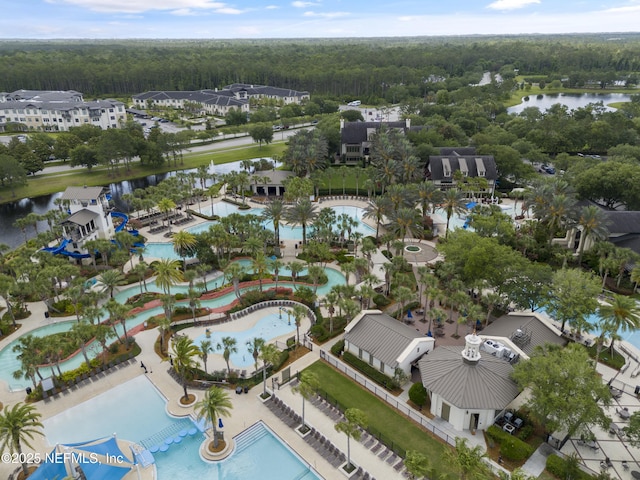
342	67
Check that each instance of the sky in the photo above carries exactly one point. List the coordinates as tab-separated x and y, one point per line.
212	19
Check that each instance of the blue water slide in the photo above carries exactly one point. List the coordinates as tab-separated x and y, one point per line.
125	220
59	249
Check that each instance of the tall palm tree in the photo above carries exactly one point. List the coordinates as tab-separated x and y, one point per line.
402	295
453	203
167	273
268	354
165	205
184	244
140	271
228	346
274	212
184	363
19	424
216	403
406	221
592	221
275	264
235	272
559	213
260	266
255	346
302	213
206	347
355	421
622	314
81	333
376	210
307	386
110	279
299	312
295	267
429	195
117	316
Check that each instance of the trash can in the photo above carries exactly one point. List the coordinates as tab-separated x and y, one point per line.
637	390
46	314
29	390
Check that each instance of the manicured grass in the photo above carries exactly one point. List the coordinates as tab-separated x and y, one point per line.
335	177
57	182
395	427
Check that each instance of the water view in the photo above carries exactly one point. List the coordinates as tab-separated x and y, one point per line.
571	100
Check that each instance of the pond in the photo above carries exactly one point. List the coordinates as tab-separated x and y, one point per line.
571	100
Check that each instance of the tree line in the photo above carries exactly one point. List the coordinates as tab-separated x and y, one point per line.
376	68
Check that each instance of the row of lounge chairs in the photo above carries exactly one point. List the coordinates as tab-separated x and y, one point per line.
340	197
158	229
87	378
367	439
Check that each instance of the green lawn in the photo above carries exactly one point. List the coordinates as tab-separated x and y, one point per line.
57	182
396	428
336	175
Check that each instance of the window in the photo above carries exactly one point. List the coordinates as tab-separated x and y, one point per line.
382	366
360	353
371	360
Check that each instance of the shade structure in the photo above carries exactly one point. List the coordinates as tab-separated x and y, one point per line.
50	468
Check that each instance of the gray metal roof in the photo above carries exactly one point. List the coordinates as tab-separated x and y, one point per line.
382	336
532	333
81	217
83	193
356	132
486	385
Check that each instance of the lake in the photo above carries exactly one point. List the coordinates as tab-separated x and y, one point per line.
571	100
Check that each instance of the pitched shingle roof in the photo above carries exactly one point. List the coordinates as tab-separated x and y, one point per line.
83	193
533	332
486	385
81	217
382	336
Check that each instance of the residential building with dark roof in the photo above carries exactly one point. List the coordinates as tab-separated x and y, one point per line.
356	137
466	388
57	111
384	342
218	101
442	168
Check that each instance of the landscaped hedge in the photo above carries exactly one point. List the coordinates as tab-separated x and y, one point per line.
338	348
511	447
558	466
375	375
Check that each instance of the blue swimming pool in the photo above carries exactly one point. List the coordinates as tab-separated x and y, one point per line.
267	328
258	453
287	232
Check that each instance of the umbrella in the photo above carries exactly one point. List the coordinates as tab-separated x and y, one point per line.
220	425
409	314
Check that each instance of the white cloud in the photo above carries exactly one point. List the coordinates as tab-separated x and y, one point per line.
326	14
511	4
272	7
300	4
139	6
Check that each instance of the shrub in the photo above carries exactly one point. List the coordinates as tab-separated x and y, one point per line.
561	468
375	375
418	394
338	348
284	356
525	432
180	296
380	300
511	448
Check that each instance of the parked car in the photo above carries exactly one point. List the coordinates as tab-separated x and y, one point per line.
550	170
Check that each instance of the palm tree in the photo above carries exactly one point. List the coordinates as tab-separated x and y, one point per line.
140	272
194	301
260	267
19	424
621	315
276	265
559	213
299	312
235	272
165	205
302	213
429	195
453	203
184	244
184	363
307	386
376	210
125	241
255	346
167	273
164	324
228	346
406	221
80	334
110	279
355	421
402	295
117	316
274	212
295	267
216	403
268	354
206	347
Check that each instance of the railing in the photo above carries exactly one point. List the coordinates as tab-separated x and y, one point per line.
380	392
272	303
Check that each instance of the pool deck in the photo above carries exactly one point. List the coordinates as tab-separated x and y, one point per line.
249	409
